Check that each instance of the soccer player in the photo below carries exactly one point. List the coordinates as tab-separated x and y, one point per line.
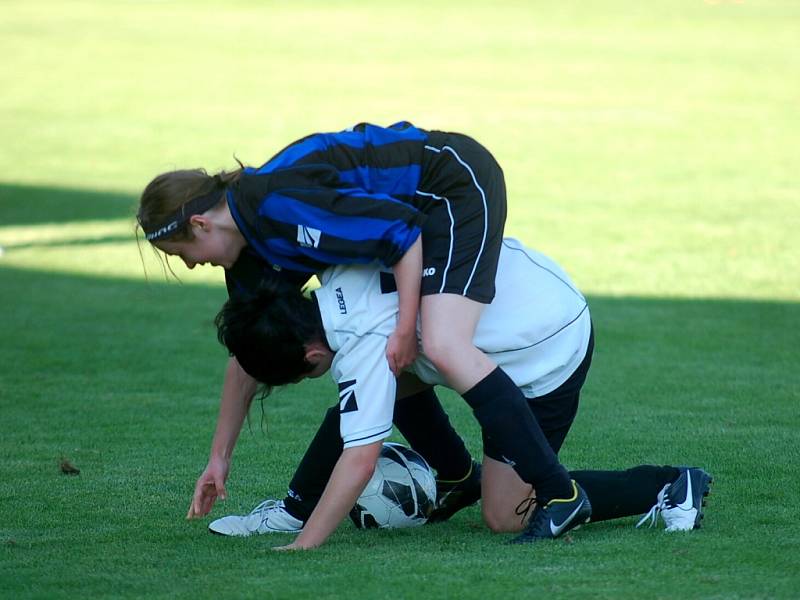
431	206
538	329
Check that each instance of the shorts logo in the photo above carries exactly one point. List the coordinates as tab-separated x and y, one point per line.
429	272
347	397
308	237
340	300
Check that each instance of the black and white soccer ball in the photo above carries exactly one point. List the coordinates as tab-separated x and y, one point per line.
401	493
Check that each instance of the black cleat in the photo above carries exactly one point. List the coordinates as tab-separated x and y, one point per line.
681	502
452	496
556	517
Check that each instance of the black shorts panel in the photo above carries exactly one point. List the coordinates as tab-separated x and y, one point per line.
462	236
555	411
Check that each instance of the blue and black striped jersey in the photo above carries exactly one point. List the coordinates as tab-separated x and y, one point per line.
335	198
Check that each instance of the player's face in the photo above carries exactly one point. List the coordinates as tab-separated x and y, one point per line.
209	246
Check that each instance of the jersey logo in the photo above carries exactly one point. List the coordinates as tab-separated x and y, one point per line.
347	397
340	300
308	237
429	272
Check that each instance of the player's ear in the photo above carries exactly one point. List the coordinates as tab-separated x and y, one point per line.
319	357
314	354
201	221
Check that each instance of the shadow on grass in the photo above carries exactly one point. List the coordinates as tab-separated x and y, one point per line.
32	205
122	377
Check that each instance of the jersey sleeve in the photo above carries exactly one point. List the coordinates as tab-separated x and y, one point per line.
367	390
319	215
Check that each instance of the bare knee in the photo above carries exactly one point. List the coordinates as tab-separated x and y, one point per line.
452	354
439	351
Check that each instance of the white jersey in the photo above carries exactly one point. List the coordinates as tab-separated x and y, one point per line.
537	330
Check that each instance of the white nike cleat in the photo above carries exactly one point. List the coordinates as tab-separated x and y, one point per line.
270	516
681	502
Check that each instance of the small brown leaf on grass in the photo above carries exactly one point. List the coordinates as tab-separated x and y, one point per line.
67	468
11	542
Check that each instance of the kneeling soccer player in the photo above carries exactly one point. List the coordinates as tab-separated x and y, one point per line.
537	329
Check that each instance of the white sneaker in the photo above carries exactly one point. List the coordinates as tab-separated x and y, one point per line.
268	517
681	502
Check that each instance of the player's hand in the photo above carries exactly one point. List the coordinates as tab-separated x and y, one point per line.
210	486
288	548
401	350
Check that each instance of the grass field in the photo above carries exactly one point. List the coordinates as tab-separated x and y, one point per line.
651	148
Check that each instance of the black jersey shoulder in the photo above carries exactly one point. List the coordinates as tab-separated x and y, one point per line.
249	273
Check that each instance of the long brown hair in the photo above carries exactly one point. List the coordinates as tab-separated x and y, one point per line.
169	191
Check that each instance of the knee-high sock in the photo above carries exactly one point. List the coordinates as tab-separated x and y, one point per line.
615	494
423	422
506	419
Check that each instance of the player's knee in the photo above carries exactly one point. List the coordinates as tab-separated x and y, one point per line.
440	350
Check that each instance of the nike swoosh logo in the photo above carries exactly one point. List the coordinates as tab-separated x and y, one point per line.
441	500
557	529
688	502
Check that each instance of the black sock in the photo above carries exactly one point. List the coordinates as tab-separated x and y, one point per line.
315	468
423	422
507	421
615	494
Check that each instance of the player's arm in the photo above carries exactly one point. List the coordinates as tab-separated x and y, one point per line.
401	349
237	391
366	404
350	476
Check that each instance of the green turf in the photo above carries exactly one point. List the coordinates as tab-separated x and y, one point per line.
650	147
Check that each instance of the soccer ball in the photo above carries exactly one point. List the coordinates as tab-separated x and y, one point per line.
401	493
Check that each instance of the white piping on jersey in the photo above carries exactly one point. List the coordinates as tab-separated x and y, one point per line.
544	339
358	334
485	208
379	436
452	225
527	255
